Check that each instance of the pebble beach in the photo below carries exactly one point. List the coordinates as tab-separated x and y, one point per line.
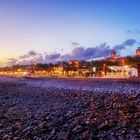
69	109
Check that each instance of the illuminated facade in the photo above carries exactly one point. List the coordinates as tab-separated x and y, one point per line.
75	63
113	55
58	70
121	72
138	52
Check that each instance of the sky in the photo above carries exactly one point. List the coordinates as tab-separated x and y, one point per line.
52	30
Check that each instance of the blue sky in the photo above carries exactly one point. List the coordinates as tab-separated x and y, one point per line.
50	26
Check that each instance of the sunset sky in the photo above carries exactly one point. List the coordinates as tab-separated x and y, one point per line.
47	30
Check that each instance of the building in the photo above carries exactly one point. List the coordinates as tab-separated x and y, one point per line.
84	72
75	63
57	71
121	72
138	52
113	55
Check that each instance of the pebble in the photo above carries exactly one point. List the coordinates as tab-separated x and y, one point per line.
105	112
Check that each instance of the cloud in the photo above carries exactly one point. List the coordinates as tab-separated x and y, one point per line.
32	53
102	50
29	61
78	52
137	31
75	43
128	42
134	31
52	57
29	54
11	61
129	31
85	53
34	56
24	56
26	59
